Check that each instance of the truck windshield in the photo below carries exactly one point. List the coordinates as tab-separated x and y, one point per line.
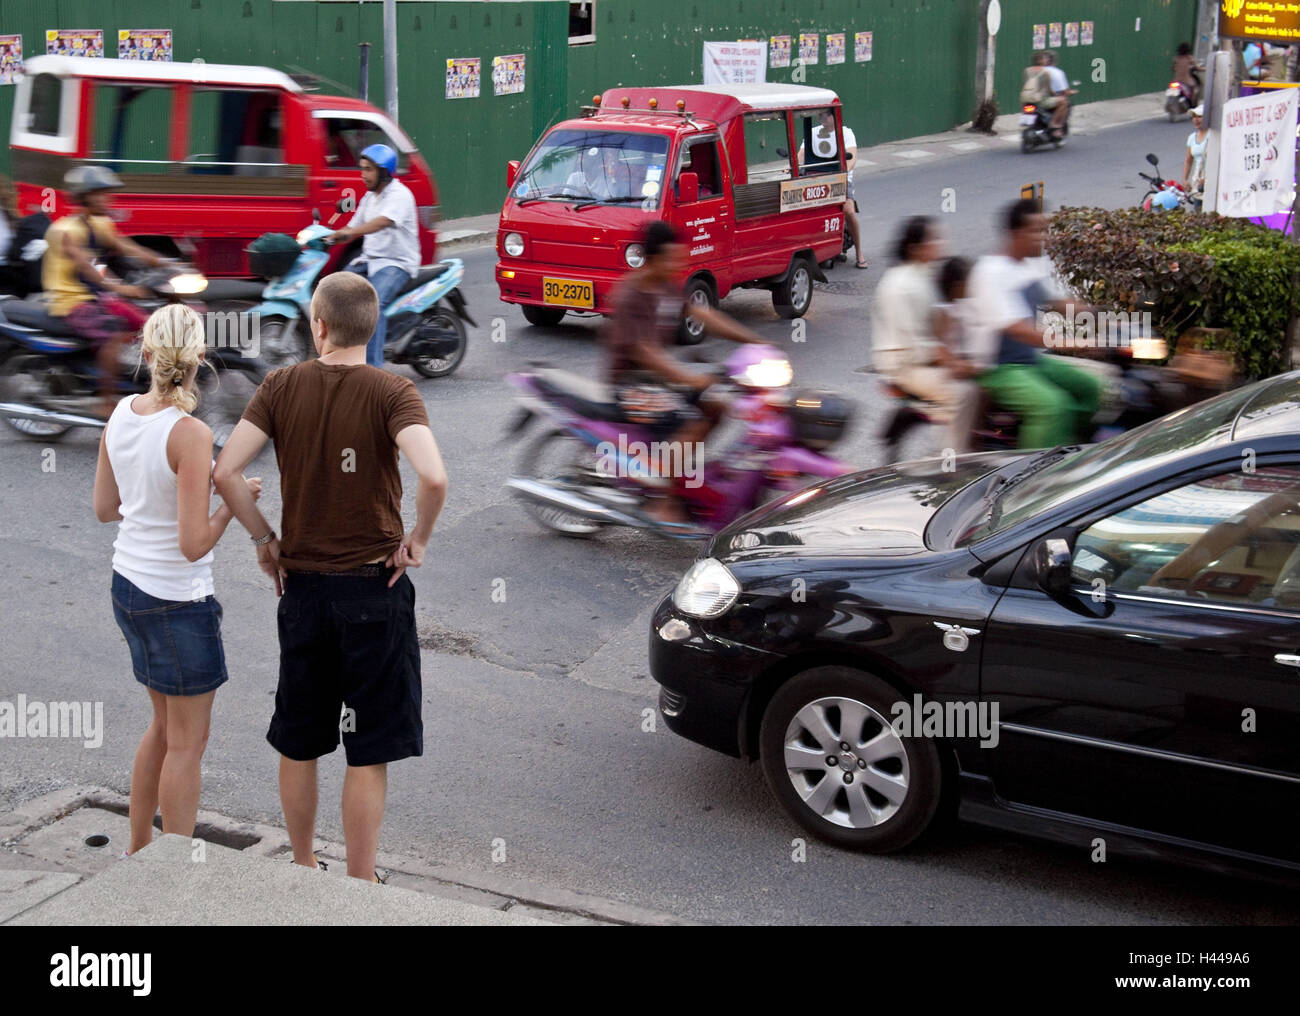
595	166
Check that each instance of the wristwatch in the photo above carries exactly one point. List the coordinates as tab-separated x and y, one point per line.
264	540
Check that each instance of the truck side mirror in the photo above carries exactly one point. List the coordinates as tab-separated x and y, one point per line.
688	188
1052	566
512	171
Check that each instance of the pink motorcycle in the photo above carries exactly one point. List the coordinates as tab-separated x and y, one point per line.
592	467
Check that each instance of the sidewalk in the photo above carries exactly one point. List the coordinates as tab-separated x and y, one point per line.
480	230
61	865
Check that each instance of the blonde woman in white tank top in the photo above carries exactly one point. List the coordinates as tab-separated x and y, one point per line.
154	477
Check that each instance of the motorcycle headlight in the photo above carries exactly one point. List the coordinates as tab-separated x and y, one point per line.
707	590
513	245
188	284
304	235
634	255
765	374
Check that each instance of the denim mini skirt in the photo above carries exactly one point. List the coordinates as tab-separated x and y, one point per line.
175	644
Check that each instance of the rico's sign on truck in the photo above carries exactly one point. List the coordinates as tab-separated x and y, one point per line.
1257	158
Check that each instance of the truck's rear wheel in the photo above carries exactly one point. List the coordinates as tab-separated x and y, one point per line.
793	296
542	317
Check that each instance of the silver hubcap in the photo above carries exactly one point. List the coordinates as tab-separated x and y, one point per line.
846	762
699	298
800	288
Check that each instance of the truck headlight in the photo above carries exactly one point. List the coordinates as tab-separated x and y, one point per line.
634	255
513	245
707	590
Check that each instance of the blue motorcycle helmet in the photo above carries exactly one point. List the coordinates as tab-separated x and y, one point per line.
1164	201
382	156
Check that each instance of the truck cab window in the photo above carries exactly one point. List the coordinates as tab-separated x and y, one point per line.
234	132
346	138
767	147
701	158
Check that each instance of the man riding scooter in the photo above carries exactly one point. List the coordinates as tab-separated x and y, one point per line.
390	252
647	381
95	306
1055	400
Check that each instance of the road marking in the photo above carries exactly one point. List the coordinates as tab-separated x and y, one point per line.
966	146
915	153
863	162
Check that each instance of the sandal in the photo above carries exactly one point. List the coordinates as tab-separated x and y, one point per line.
863	264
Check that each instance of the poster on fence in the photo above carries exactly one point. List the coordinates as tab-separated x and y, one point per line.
1257	155
1072	33
1054	34
1085	33
464	74
11	59
144	44
735	63
74	41
809	47
861	47
1040	37
508	74
835	48
778	51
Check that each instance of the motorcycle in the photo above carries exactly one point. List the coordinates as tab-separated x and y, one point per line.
426	319
1179	100
1164	195
582	473
1133	393
1036	128
49	381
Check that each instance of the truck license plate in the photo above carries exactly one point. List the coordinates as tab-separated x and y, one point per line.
568	293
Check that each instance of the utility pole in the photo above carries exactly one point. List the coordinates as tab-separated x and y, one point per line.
1207	30
390	58
990	20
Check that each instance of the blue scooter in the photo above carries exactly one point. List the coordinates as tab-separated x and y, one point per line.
426	319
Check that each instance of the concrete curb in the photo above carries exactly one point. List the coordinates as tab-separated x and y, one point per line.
495	892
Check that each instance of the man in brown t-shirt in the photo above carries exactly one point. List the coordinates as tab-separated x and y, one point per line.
347	609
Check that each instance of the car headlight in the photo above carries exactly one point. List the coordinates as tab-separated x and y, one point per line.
707	590
513	245
635	255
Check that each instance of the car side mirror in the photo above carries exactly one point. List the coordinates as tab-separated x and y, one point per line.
1052	566
512	171
688	188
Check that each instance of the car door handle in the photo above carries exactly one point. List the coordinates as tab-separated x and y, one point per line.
1287	659
330	184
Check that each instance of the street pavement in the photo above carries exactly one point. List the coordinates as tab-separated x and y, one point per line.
538	762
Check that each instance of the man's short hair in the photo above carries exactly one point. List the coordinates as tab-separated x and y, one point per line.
349	306
1019	213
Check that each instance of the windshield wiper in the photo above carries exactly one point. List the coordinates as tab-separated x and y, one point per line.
561	196
993	499
626	199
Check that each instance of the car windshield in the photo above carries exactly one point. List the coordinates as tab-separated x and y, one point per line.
1076	473
596	167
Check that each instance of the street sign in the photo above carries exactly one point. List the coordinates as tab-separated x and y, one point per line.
1027	193
1260	21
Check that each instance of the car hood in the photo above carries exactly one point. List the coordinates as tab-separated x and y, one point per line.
880	513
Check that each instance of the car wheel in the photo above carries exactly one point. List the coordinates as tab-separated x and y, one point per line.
793	296
542	317
699	293
840	770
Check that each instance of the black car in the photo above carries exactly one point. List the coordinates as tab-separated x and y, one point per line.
1098	644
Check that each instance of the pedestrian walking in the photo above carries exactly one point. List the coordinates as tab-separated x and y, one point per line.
349	659
154	478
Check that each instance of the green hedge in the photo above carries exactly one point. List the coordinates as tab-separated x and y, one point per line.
1189	270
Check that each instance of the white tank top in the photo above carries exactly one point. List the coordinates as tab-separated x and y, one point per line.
147	550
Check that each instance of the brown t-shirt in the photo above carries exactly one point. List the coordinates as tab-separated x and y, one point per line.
334	429
642	318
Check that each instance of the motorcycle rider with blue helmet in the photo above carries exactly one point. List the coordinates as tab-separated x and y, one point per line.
390	252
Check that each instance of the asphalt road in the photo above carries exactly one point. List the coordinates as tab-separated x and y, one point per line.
535	706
